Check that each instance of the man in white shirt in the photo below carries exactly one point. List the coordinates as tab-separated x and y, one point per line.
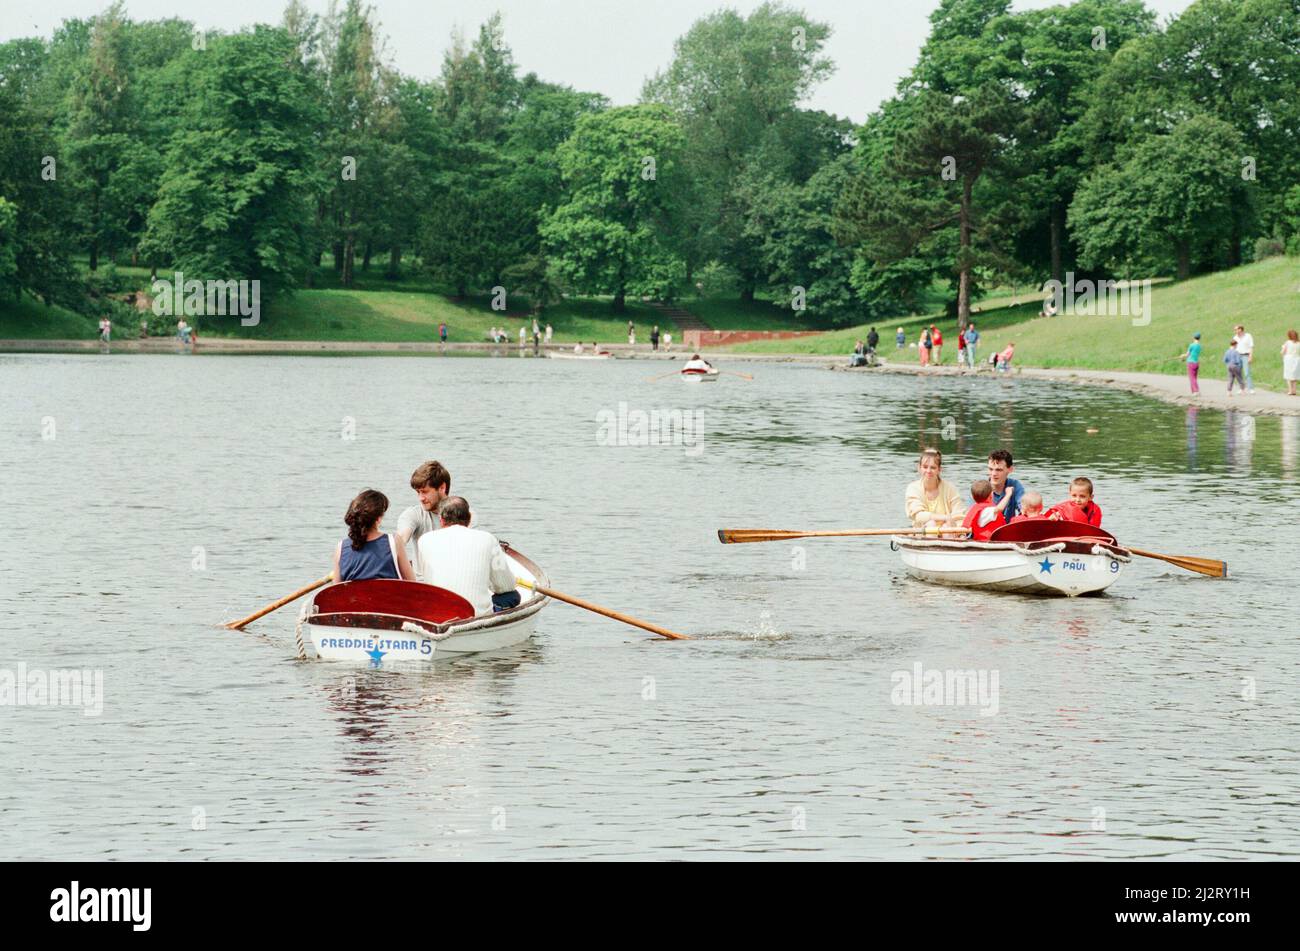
697	363
431	482
468	561
1246	347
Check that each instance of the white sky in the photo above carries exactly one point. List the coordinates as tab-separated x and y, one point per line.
607	46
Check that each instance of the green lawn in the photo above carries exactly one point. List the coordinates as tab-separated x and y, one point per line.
29	319
411	315
1265	296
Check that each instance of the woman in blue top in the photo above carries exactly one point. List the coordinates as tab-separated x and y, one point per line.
367	552
1193	358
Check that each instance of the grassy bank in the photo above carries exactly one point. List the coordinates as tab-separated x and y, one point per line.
1264	296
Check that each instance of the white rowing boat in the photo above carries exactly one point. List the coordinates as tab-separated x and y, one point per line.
563	355
385	621
1040	557
700	375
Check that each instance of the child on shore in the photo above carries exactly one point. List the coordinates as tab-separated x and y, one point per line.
1079	507
983	517
1031	506
1233	359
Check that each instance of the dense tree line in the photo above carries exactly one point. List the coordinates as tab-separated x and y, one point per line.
1083	137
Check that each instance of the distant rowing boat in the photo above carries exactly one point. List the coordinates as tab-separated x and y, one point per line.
1030	557
700	376
383	620
562	355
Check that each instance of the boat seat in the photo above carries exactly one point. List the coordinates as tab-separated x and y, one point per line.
1046	529
413	599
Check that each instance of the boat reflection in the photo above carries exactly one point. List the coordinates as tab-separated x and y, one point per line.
386	714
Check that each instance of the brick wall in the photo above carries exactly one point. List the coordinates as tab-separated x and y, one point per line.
695	339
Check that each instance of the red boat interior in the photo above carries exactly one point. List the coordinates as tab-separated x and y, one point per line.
1049	530
405	599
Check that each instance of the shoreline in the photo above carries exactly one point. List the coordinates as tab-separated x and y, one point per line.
1164	387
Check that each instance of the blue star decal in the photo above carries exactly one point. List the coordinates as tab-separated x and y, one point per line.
1045	566
376	655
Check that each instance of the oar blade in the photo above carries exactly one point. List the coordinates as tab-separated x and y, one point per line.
1211	567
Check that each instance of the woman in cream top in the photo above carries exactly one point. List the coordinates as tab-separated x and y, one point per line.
931	500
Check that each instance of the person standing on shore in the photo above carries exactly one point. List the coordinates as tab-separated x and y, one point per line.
442	332
900	338
873	341
972	337
1291	361
936	338
548	334
1234	362
924	347
668	342
1193	358
523	336
1246	347
654	337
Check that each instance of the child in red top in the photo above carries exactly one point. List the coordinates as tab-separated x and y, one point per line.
1079	507
983	517
1031	506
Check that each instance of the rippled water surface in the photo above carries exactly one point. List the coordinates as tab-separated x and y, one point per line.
1160	720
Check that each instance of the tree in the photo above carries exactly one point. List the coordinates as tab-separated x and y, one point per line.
1170	196
234	199
734	79
614	234
1236	60
935	195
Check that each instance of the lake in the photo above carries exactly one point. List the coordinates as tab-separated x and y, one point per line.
151	498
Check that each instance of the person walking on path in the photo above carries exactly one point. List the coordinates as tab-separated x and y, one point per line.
924	347
654	337
442	332
1193	358
972	338
936	337
873	341
1234	362
961	350
1246	347
1291	361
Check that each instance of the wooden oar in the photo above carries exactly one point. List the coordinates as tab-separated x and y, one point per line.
1204	566
239	625
743	376
651	379
736	536
625	618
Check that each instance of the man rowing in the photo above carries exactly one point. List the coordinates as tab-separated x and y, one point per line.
468	561
695	364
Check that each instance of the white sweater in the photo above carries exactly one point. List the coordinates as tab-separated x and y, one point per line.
468	561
